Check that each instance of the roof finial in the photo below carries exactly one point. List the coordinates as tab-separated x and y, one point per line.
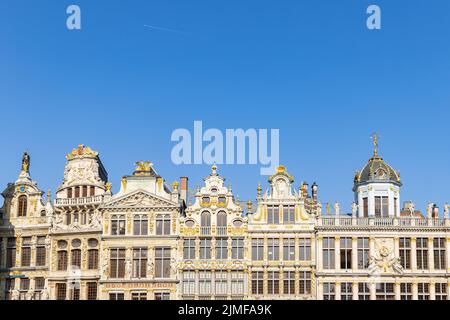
375	144
214	169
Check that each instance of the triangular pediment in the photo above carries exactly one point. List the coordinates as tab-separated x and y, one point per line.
139	199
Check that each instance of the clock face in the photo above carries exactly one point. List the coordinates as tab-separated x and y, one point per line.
22	188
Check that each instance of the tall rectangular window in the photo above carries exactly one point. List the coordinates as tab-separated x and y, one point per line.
61	291
93	259
221	249
189	283
346	253
162	262
162	224
440	290
363	291
26	251
405	252
85	191
273	284
406	291
258	283
11	253
305	249
439	253
328	253
189	249
289	249
422	253
329	292
423	291
117	263
140	225
140	262
274	249
289	282
118	223
288	214
76	258
395	207
24	287
237	283
385	206
41	252
237	250
257	249
221	280
273	215
381	206
204	283
365	207
346	291
205	249
305	282
363	253
62	260
92	290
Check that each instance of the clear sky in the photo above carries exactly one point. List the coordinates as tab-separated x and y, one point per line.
309	68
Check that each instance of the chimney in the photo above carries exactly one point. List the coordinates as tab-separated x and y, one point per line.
184	189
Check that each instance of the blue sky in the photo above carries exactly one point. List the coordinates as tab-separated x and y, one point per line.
310	68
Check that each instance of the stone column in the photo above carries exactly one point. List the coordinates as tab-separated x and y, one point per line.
447	249
373	290
354	253
397	290
414	290
337	253
319	263
430	254
355	290
432	291
337	290
413	254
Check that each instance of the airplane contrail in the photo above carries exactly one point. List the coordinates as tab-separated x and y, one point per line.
164	29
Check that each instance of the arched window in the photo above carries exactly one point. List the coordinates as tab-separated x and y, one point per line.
205	223
222	223
23	203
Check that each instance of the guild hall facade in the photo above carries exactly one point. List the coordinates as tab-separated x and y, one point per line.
152	241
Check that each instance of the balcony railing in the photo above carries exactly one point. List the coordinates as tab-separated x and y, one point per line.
205	231
382	221
221	231
79	201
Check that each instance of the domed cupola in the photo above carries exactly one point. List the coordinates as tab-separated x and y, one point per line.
377	187
377	170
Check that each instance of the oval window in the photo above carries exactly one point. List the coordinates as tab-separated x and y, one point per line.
190	223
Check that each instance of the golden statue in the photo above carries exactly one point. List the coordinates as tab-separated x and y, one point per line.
143	166
25	162
375	144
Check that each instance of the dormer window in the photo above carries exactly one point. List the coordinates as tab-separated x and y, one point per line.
222	200
206	200
213	190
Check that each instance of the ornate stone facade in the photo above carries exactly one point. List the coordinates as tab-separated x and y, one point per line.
148	242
